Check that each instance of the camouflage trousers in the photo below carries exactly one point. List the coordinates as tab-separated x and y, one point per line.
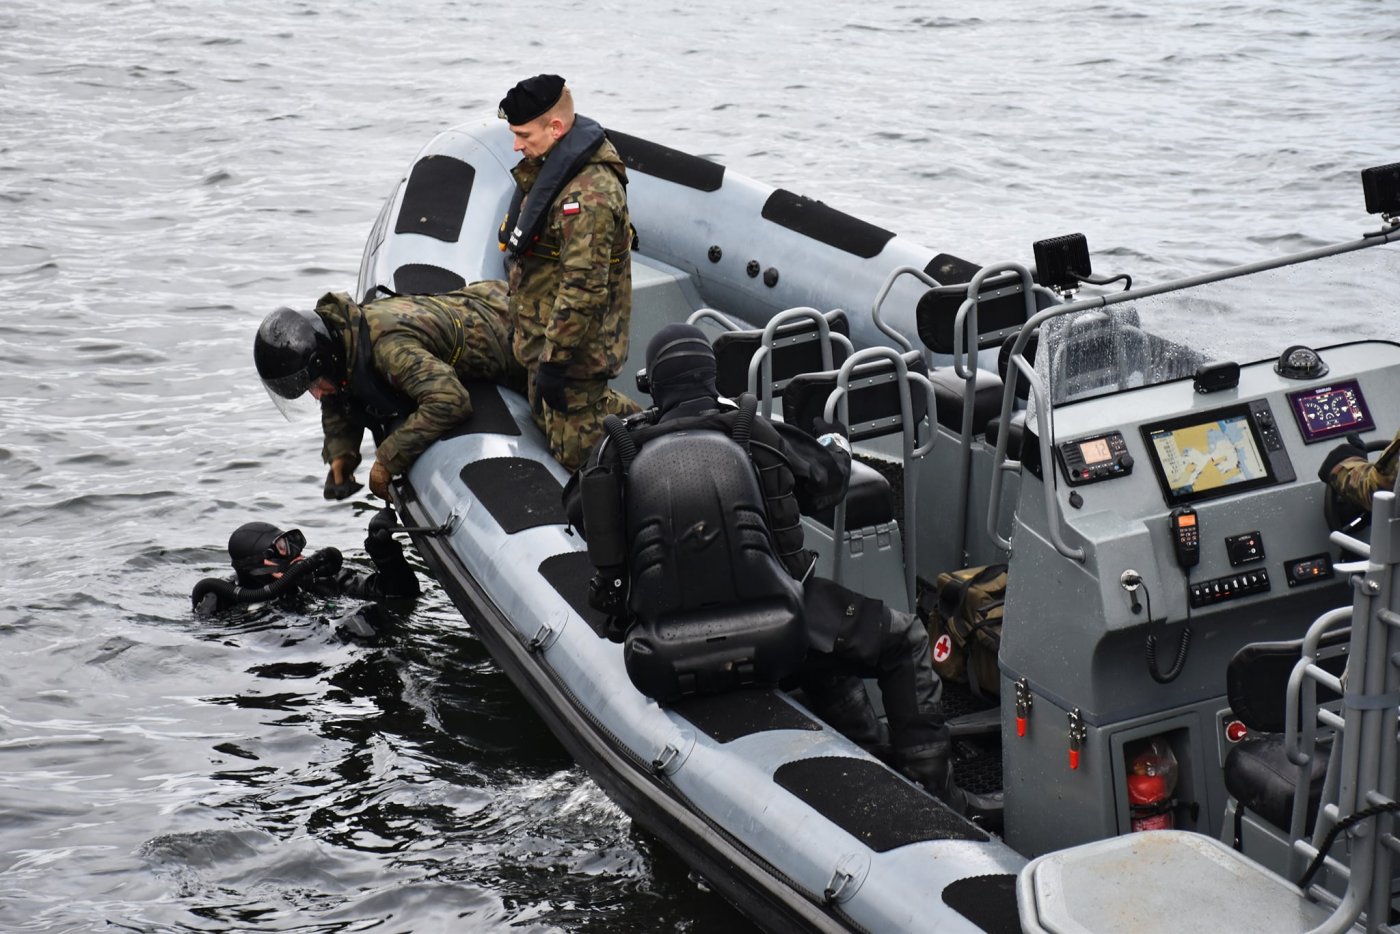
572	434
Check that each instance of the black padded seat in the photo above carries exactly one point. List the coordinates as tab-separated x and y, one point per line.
949	391
1259	776
1015	433
1256	680
1257	772
805	400
869	500
797	350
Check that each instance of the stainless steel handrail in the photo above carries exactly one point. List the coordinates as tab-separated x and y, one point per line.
838	405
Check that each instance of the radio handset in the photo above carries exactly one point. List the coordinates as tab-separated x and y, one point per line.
1186	537
1186	542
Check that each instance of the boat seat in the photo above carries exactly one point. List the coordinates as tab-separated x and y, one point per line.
1258	774
1015	433
869	500
1001	310
796	348
949	390
874	408
876	392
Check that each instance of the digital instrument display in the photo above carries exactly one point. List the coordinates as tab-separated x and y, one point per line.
1209	454
1095	451
1089	460
1329	411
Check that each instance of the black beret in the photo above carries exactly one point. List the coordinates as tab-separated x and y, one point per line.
530	98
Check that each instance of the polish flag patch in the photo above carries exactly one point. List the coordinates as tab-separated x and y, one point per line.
942	648
570	207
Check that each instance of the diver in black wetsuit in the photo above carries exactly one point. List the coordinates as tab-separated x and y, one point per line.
268	563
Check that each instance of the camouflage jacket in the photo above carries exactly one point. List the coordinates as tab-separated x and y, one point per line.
1357	480
571	290
421	348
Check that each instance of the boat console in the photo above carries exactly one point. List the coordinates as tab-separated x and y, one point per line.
1168	528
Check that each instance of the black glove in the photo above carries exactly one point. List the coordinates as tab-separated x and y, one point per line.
1335	456
335	490
549	386
381	546
382	526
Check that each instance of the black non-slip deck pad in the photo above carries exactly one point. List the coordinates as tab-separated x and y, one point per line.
728	716
569	575
426	279
490	416
871	803
519	493
435	200
987	901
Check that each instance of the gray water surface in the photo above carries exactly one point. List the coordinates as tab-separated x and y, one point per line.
170	172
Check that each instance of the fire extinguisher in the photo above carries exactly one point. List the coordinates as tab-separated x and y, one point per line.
1151	781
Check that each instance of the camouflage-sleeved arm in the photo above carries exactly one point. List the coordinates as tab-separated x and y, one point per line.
584	254
343	434
441	398
1357	480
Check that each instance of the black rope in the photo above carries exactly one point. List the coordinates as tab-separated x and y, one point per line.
1331	837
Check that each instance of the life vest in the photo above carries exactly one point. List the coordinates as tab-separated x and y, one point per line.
522	227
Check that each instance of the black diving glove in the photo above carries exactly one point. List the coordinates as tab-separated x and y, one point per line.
549	386
335	490
1344	451
380	543
383	524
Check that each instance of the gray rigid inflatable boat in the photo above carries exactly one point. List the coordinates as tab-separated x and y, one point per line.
784	817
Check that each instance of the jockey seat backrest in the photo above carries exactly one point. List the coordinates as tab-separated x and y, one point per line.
873	398
796	348
869	392
1001	310
1256	680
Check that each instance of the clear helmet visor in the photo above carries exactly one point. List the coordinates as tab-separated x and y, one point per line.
289	394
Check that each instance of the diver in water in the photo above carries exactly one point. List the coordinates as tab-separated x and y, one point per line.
269	563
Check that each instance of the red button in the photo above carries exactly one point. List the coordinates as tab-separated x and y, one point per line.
1236	731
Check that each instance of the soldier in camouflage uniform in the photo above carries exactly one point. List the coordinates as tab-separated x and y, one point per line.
568	238
394	366
1347	471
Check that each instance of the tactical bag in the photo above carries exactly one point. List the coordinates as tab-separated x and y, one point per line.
963	612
